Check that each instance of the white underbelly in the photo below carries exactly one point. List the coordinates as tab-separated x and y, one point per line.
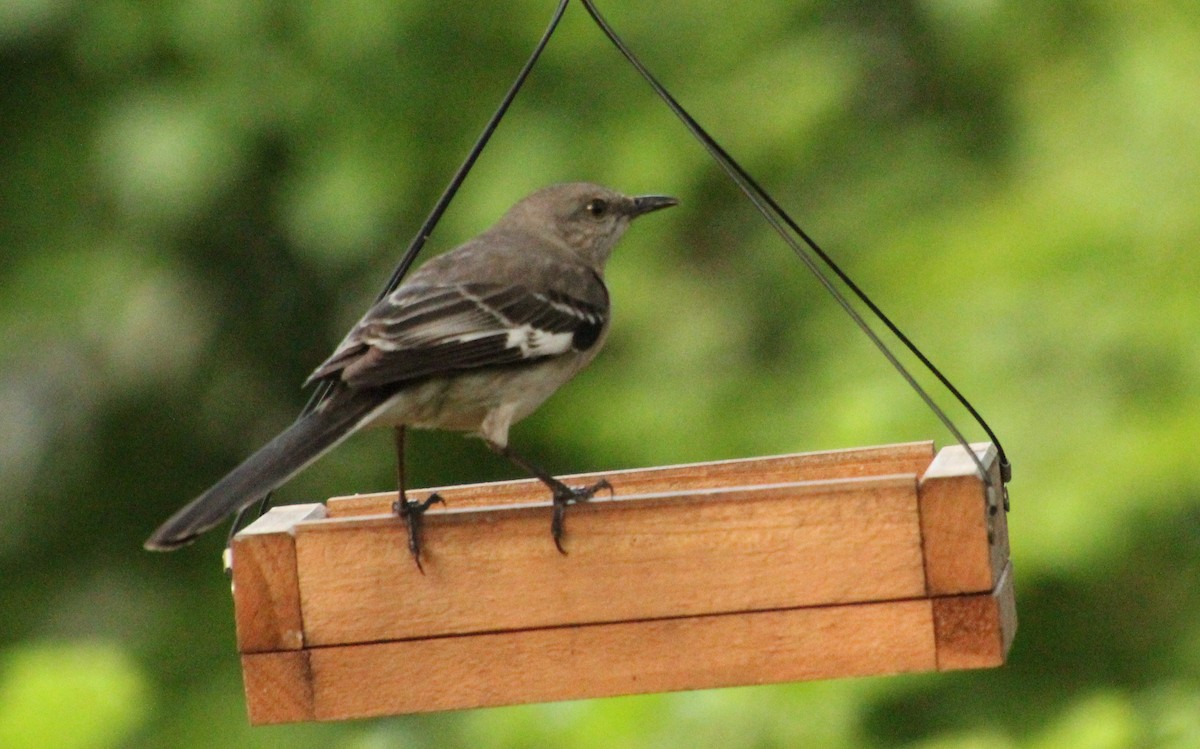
501	397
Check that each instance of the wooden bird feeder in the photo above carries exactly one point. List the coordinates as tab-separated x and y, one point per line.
854	562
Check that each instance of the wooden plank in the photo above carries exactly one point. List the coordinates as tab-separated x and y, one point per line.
266	594
702	552
279	687
965	530
883	460
602	660
976	631
718	579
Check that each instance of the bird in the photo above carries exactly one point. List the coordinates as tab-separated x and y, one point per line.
473	341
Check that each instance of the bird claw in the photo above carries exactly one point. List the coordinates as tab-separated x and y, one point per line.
564	497
411	513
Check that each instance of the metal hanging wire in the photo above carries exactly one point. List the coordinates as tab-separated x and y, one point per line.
777	217
796	238
431	221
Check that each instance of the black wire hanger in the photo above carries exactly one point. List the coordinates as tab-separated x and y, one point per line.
796	238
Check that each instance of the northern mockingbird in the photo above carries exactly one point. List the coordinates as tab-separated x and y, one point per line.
474	341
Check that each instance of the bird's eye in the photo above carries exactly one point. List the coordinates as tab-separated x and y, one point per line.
597	207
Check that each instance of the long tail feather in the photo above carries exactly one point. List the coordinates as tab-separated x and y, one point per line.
290	452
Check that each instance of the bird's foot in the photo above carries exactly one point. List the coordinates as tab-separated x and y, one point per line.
412	513
565	496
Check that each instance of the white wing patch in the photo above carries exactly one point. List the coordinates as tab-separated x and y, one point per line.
536	343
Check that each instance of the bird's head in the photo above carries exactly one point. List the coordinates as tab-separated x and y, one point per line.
588	219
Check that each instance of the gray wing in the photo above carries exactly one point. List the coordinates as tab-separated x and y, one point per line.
424	330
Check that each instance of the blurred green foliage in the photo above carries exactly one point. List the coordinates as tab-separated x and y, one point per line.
200	196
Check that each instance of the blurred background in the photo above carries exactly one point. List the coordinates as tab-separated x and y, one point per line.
200	196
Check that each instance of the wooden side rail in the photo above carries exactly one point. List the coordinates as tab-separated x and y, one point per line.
818	565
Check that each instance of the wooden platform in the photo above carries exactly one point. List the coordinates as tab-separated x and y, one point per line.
820	565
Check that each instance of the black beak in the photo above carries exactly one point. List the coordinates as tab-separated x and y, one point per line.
643	204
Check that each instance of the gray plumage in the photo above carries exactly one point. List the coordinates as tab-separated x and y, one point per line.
474	341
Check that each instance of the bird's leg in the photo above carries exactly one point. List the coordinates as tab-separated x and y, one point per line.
410	512
563	495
